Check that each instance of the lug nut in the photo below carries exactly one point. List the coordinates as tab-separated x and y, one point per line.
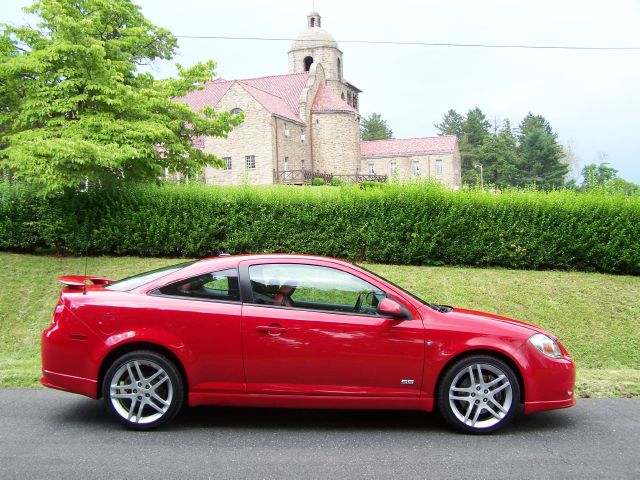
486	391
477	402
147	395
147	387
139	397
484	399
478	388
135	391
139	384
473	394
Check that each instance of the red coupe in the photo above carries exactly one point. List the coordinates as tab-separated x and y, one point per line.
293	331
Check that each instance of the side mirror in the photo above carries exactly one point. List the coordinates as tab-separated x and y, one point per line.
390	308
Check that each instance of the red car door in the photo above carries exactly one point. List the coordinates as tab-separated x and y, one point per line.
304	334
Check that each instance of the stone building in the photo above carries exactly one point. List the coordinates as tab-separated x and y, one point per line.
306	123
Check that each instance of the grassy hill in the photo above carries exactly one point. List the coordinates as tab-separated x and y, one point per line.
596	316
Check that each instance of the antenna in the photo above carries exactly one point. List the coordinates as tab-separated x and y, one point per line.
84	280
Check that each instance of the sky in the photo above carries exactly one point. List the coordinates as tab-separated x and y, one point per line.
591	98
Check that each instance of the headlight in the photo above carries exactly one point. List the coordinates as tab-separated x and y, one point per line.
546	345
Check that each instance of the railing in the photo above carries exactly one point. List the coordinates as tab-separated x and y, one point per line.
299	177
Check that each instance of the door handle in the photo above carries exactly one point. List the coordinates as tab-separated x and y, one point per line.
273	329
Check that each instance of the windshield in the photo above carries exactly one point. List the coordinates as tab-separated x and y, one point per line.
146	277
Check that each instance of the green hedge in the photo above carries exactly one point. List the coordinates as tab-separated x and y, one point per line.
401	224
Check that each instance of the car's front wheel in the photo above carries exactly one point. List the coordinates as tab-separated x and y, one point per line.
143	390
479	394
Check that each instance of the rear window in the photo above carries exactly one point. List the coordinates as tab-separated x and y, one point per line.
137	280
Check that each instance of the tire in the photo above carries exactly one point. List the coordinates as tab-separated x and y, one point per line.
479	394
143	390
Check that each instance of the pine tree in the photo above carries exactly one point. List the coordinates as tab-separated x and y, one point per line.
499	158
452	124
374	127
540	153
475	129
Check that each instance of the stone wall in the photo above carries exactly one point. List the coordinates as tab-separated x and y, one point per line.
253	137
294	145
336	142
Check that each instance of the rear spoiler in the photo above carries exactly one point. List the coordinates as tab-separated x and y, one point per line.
80	281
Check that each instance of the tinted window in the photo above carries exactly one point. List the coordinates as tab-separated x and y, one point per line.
146	277
222	285
312	287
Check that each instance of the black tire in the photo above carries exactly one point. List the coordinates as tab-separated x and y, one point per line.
143	390
479	394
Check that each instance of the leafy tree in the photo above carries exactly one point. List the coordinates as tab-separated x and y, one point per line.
475	129
541	154
499	158
452	124
597	175
75	108
374	127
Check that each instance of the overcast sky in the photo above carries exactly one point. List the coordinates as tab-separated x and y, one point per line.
591	98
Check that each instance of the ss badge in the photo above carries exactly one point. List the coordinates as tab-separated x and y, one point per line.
406	381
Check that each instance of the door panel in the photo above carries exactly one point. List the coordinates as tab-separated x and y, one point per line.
296	351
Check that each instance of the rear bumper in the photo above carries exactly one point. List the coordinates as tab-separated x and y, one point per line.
69	383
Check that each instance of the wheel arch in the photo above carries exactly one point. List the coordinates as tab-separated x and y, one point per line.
488	352
139	345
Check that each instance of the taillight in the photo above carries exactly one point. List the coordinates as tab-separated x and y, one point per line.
57	312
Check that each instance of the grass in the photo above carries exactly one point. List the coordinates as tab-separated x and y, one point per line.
596	316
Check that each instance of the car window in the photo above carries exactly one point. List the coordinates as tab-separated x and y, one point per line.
313	287
146	277
222	285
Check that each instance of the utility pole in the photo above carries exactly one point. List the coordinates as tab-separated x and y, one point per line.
479	165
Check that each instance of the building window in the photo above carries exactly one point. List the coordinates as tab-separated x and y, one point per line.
416	168
286	130
307	63
301	164
236	111
250	161
371	169
342	95
355	100
228	165
438	168
317	123
302	135
393	170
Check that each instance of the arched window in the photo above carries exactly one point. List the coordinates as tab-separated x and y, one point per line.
307	63
313	22
339	69
342	95
236	111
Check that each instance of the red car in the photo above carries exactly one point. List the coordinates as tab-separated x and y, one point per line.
293	331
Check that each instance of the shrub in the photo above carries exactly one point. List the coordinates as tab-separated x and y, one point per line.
317	182
393	223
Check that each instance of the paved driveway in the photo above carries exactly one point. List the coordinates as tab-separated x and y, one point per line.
50	434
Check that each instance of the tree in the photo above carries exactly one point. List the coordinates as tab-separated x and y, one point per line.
597	175
75	108
475	129
452	124
374	127
541	154
499	158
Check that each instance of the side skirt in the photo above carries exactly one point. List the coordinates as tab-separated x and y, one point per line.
309	401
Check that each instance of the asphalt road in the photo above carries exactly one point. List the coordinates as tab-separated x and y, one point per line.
50	434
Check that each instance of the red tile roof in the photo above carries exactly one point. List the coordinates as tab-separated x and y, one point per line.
327	101
398	147
278	94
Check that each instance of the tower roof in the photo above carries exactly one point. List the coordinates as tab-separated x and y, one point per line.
314	36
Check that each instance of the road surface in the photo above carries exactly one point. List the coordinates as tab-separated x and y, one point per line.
50	434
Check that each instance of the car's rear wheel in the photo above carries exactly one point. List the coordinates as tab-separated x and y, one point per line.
143	390
479	394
